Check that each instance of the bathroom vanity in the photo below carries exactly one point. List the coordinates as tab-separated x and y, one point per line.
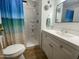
57	45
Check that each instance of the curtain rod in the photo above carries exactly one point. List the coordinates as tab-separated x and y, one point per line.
24	1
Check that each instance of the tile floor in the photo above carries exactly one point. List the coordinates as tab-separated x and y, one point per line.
34	53
32	42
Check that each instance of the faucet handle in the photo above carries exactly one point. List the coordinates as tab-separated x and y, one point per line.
63	30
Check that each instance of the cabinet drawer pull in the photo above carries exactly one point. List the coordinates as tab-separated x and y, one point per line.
78	57
61	46
50	45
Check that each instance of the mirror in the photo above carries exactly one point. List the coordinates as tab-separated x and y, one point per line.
67	11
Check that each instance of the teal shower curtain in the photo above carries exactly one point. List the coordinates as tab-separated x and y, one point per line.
12	20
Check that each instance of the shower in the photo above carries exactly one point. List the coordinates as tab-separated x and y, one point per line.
32	20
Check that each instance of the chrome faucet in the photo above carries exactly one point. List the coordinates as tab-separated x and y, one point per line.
64	30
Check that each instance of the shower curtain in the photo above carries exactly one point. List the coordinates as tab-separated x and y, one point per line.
13	21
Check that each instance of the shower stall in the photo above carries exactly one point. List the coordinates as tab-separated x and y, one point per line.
32	18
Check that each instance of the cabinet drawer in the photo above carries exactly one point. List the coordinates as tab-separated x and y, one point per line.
47	48
62	45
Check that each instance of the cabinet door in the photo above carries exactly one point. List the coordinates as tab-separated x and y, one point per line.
47	48
60	52
69	52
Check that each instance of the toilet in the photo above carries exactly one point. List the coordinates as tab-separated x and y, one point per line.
14	51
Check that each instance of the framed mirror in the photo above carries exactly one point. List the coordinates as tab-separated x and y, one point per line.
67	11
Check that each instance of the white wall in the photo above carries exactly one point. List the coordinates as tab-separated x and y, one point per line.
48	13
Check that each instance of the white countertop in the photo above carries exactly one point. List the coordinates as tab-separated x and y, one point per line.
74	40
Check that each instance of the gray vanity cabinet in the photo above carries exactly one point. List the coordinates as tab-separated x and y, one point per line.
54	48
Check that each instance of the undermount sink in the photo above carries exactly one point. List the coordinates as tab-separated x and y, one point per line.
64	34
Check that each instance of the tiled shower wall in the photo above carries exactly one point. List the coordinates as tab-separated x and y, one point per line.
33	20
47	13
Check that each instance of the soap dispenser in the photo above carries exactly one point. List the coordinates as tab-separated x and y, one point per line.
48	22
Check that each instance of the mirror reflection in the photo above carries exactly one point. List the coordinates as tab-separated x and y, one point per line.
68	11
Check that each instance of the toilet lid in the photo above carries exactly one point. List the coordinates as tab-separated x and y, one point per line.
12	49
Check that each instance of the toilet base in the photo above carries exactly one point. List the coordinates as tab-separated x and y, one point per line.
19	57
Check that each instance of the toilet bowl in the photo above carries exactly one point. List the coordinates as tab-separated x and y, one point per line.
13	51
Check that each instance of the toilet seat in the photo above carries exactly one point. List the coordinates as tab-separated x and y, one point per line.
14	50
